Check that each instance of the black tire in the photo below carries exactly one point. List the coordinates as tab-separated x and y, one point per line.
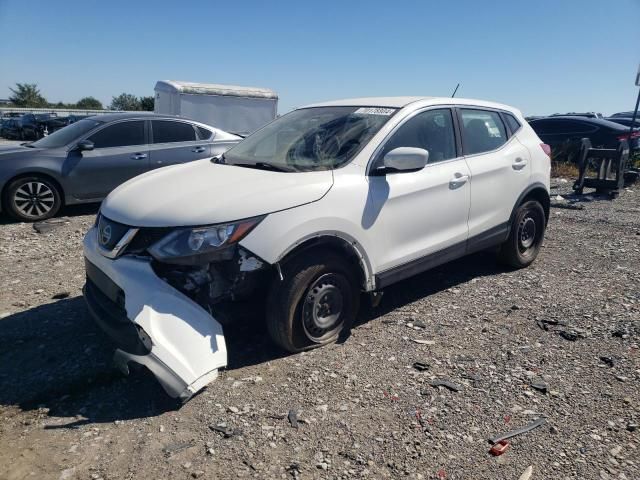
526	236
31	199
319	289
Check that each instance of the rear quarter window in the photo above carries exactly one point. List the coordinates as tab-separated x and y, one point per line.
203	133
512	122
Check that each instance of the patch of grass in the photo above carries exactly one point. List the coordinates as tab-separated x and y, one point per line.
564	170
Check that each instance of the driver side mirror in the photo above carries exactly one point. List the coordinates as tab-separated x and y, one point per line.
404	159
84	145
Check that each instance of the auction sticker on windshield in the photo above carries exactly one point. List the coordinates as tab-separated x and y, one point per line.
375	111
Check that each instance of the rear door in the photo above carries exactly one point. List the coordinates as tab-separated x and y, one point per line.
175	141
500	171
120	153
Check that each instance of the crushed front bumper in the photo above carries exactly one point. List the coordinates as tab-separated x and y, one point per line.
152	323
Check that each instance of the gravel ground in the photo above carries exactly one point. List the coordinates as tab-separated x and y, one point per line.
569	323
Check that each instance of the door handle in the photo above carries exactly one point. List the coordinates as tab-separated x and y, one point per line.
138	156
458	180
198	149
519	163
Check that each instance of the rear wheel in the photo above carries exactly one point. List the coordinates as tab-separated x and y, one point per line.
526	236
32	199
318	298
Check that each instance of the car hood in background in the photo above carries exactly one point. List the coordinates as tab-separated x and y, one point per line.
203	193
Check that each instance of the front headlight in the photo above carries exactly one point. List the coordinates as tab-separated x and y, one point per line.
194	246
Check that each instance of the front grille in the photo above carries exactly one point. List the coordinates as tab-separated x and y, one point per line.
110	232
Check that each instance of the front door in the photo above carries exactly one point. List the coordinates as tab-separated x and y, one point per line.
175	142
424	212
120	153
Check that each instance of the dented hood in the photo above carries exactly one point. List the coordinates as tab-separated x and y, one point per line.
202	193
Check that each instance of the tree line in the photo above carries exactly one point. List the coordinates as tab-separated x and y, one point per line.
28	95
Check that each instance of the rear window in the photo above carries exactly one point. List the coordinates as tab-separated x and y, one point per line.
166	131
561	127
542	126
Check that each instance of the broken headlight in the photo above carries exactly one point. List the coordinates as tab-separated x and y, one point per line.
194	246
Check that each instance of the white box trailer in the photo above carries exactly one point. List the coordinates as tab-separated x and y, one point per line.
231	108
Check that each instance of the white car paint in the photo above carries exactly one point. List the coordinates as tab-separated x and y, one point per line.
218	193
388	221
161	311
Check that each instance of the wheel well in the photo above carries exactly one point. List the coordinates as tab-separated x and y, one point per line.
337	245
33	174
541	195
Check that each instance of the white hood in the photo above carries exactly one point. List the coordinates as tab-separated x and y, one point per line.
202	193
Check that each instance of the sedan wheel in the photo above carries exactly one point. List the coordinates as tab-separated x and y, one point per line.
32	198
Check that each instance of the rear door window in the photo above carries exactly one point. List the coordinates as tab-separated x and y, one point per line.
121	134
167	131
482	131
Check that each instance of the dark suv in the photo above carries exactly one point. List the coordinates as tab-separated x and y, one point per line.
563	134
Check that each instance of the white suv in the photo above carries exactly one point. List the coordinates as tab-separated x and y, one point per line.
320	205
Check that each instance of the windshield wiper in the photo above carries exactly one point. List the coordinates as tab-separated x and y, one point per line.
264	166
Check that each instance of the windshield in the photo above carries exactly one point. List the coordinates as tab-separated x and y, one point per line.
310	139
66	135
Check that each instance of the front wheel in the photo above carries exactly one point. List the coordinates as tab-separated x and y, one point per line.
526	236
32	198
318	298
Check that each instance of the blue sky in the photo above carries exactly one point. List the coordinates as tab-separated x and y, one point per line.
542	56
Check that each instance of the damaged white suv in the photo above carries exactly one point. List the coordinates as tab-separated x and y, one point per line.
322	204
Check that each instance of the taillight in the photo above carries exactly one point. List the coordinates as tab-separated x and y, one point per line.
626	136
546	149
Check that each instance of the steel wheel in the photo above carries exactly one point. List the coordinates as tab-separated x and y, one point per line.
316	301
526	233
323	306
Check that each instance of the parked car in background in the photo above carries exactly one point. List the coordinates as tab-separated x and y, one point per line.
10	128
322	204
623	114
564	133
42	124
76	118
576	114
83	162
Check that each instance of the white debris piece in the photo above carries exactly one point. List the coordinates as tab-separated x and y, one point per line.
526	475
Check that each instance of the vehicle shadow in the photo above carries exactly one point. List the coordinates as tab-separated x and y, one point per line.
54	357
441	278
66	211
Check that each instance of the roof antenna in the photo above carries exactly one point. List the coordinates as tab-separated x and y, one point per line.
454	92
